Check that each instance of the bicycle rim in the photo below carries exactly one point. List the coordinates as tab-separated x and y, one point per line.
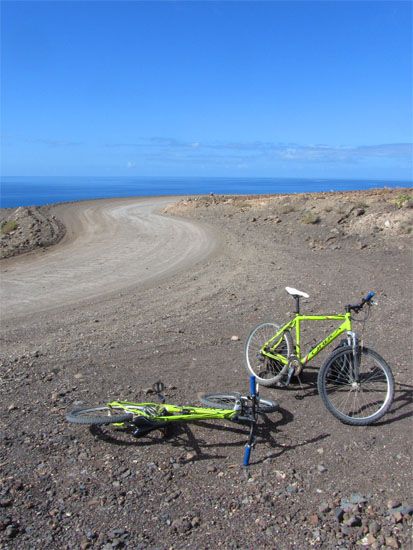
268	371
228	400
361	399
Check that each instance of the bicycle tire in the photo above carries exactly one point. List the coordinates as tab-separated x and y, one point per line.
267	371
228	400
372	395
98	416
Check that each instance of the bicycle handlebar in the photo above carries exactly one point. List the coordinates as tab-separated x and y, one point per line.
357	307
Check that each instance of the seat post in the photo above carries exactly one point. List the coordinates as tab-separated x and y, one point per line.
297	304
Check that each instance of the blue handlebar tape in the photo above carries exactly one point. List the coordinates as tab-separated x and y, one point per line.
247	455
253	386
369	295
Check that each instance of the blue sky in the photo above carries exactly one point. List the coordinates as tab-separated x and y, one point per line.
282	89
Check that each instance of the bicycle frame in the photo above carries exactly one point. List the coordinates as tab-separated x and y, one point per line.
176	413
274	341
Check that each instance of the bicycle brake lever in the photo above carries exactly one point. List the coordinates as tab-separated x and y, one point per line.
158	388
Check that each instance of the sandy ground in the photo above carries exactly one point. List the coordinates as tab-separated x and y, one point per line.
314	482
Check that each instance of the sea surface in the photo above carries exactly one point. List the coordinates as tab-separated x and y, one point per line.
30	191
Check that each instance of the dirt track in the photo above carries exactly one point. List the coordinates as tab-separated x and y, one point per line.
109	246
314	482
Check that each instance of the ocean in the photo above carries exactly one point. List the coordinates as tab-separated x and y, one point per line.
31	191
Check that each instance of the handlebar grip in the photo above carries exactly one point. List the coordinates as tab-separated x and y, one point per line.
253	386
369	296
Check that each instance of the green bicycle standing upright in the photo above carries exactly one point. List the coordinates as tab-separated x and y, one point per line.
355	383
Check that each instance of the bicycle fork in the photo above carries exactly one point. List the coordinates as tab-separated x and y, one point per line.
355	346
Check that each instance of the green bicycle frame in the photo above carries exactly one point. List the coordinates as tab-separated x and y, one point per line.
166	413
268	348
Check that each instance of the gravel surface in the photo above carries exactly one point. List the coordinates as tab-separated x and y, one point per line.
313	482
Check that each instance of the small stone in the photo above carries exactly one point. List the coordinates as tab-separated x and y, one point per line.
345	530
148	391
11	531
356	498
392	542
196	521
211	469
397	517
353	521
368	540
189	457
235	338
172	496
321	468
339	513
324	508
393	503
374	527
181	525
313	519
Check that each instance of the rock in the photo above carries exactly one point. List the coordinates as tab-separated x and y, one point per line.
356	498
397	517
391	542
235	338
196	521
181	525
313	519
353	521
11	531
321	468
368	540
339	514
374	527
173	496
393	503
324	508
189	457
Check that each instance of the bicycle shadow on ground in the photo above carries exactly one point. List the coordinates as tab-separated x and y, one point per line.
198	448
403	398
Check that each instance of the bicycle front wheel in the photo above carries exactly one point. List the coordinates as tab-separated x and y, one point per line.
228	400
267	371
98	416
357	398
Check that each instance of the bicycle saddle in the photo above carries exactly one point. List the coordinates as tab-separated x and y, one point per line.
294	292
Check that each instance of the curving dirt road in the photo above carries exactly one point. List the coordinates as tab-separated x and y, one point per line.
109	245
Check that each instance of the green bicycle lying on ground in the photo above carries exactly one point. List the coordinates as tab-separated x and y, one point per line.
141	418
355	383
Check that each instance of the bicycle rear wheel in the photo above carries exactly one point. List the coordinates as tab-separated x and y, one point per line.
356	400
98	416
267	371
228	400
